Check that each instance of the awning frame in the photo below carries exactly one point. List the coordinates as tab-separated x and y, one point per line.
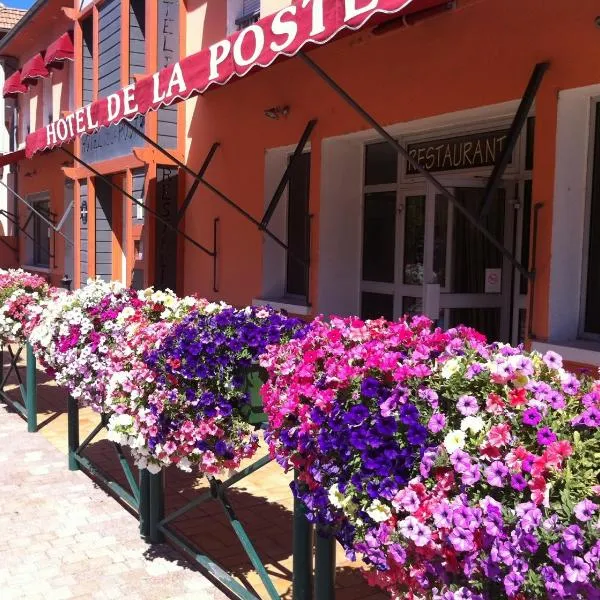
513	137
215	190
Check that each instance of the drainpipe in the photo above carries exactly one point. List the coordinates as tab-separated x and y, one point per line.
412	19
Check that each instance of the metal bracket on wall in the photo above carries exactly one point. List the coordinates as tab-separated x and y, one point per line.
401	150
192	191
287	174
215	233
23	230
215	191
512	138
37	212
119	189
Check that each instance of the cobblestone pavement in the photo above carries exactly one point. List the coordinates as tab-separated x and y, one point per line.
63	537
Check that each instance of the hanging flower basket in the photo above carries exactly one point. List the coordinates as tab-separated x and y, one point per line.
194	401
453	468
21	295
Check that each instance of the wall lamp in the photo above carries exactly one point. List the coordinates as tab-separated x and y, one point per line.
277	112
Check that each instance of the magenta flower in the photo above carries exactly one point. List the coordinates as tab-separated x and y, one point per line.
517	482
471	476
532	416
546	436
573	537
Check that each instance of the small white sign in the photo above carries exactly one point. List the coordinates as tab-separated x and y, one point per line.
493	281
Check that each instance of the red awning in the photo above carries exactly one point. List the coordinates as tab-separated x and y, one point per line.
284	33
60	50
13	85
11	157
33	69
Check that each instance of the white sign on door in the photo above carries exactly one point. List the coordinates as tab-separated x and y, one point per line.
493	281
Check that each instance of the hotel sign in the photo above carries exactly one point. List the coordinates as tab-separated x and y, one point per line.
286	32
464	152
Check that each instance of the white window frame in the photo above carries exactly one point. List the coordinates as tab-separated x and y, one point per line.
582	333
572	190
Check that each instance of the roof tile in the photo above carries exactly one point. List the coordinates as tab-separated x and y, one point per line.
9	17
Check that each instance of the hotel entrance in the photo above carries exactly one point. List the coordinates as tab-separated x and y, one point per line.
421	255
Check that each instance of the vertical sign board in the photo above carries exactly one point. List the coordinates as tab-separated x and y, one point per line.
166	238
168	53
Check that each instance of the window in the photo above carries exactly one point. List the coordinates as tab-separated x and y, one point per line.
298	227
137	37
41	234
87	75
109	47
242	14
592	299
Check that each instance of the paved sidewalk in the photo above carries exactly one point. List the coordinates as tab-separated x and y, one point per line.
63	537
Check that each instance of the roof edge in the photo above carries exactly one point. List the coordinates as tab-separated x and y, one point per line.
21	23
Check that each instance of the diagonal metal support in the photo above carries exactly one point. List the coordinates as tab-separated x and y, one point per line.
14	359
426	174
215	191
65	215
37	212
192	191
23	230
513	137
287	174
112	184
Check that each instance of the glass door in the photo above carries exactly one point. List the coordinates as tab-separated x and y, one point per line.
474	276
413	236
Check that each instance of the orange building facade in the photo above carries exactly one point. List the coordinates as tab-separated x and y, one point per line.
333	218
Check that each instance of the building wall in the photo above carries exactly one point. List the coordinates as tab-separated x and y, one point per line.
437	67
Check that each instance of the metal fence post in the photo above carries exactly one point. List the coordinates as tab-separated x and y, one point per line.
324	567
144	509
302	553
157	507
73	432
31	391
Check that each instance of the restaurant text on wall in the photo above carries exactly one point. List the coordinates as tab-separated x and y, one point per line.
464	152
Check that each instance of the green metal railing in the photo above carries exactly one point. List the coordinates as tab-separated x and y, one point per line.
144	496
26	406
161	527
77	460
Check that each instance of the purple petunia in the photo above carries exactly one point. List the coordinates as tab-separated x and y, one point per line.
517	482
461	461
467	405
585	510
546	436
442	516
573	537
496	474
577	571
471	476
461	539
532	416
436	423
552	360
513	582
